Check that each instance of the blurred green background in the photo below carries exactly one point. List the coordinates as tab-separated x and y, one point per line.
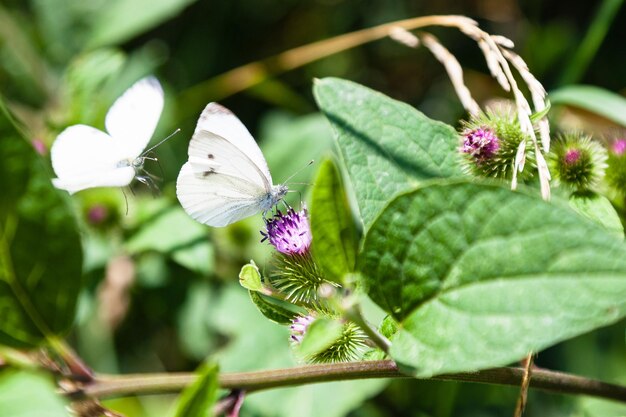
161	291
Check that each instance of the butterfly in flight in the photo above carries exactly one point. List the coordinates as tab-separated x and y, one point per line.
226	178
85	157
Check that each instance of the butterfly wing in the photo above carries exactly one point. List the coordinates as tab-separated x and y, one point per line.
85	157
219	121
132	119
216	198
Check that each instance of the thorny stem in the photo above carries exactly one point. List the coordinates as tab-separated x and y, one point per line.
557	382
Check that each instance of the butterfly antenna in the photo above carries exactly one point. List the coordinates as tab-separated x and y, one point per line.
125	200
299	171
152	147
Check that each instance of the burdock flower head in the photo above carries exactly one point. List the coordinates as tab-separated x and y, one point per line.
295	274
299	326
481	144
290	232
616	170
577	161
490	141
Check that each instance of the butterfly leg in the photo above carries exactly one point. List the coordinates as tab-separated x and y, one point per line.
148	182
153	158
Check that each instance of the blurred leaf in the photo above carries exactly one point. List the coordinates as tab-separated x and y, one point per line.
600	210
39	283
16	40
28	394
271	309
319	336
586	50
335	238
197	257
198	398
131	18
593	99
64	24
170	230
250	277
260	344
387	146
478	275
289	143
84	82
195	321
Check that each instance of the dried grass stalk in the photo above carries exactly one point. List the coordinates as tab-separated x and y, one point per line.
454	70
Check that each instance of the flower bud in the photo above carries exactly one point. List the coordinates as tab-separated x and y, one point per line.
577	162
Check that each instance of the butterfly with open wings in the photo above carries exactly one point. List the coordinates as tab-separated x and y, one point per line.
85	157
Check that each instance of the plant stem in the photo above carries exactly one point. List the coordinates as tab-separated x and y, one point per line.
557	382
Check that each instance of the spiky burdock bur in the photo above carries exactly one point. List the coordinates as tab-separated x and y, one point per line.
296	275
616	170
577	162
489	144
349	345
299	278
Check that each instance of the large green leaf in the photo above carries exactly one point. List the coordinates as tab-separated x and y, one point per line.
335	238
593	99
198	398
387	146
479	276
40	253
27	394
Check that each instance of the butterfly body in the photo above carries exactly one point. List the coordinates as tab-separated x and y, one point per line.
226	177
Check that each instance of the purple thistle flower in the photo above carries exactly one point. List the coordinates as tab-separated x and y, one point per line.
299	326
481	144
290	232
619	146
572	156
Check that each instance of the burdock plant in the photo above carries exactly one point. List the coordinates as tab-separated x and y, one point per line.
300	280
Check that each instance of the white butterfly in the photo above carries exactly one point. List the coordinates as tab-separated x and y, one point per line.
85	157
226	178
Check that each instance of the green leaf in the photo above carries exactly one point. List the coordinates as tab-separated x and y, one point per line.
387	146
593	99
290	142
272	309
169	231
250	277
599	209
479	276
335	238
319	336
131	18
28	394
40	252
198	398
197	257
